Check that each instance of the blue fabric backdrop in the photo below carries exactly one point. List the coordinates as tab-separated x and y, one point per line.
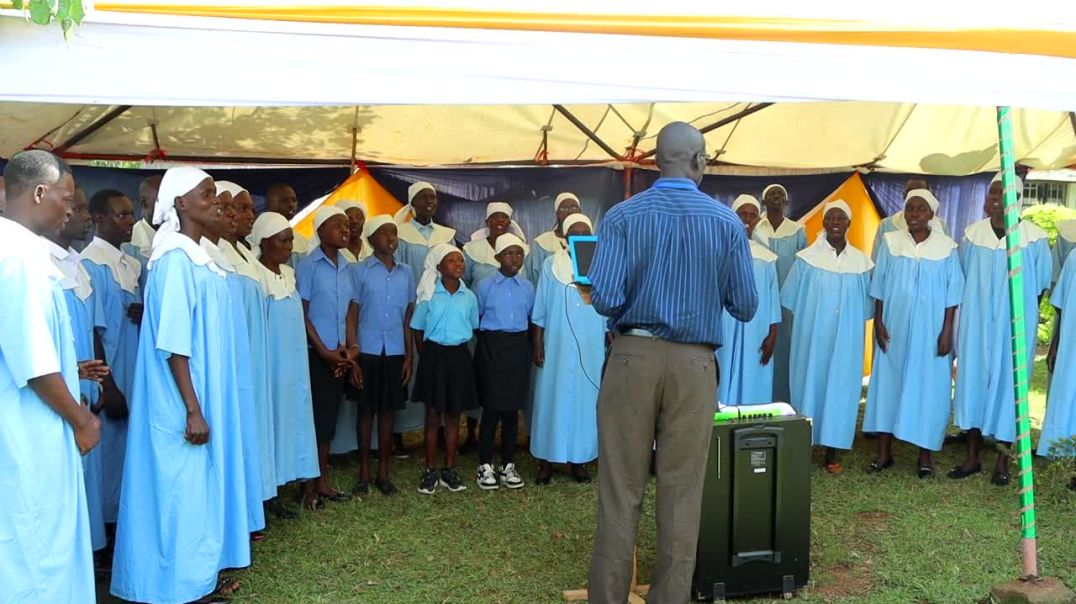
961	197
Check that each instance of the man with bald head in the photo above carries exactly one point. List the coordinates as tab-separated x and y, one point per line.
667	261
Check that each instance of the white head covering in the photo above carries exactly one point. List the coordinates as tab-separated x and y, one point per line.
177	182
323	214
506	241
747	200
840	205
403	213
562	197
349	204
375	223
265	226
428	283
774	186
562	261
1019	184
926	196
229	187
502	208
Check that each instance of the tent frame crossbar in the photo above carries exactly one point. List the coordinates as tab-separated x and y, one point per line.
719	123
561	109
81	135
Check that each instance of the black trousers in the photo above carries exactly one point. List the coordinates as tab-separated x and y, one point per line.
487	432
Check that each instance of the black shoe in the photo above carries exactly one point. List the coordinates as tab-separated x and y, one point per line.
956	438
925	471
959	473
1000	479
580	473
274	507
876	468
386	487
1072	484
361	488
450	479
428	484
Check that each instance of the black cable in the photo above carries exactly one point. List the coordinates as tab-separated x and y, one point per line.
578	347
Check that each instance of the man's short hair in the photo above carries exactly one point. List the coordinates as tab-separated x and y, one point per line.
148	183
29	169
100	199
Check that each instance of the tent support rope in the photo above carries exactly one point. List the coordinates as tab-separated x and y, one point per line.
1025	473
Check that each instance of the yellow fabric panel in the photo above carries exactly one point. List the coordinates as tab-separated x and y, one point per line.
922	34
360	186
865	220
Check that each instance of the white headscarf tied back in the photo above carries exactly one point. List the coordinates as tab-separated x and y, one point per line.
926	196
349	204
177	182
564	197
562	261
1019	184
575	219
840	205
506	241
775	186
501	208
227	186
747	200
403	213
373	224
265	226
321	216
428	283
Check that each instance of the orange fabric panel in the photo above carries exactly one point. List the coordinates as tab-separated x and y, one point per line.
360	186
772	29
865	221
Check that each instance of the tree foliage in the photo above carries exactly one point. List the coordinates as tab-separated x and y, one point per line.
68	13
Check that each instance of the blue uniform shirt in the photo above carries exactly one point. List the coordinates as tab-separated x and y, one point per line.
668	260
329	290
382	296
504	304
447	319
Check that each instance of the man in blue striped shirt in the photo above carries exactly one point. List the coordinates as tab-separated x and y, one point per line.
667	261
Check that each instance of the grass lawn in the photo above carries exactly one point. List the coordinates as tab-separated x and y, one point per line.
886	538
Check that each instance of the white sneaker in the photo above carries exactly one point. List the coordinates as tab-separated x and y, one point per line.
486	477
510	477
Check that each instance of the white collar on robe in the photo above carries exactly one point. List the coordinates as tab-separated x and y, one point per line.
788	228
898	221
142	237
409	232
1066	229
125	269
238	260
278	286
937	246
247	255
821	254
761	252
562	268
481	251
981	234
217	255
366	252
178	241
549	242
74	274
301	244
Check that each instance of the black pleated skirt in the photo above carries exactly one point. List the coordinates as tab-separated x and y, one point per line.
445	378
502	363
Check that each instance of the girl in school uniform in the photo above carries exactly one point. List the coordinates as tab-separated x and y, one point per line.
445	317
480	252
569	350
552	241
785	237
827	291
503	361
385	296
917	287
745	356
296	448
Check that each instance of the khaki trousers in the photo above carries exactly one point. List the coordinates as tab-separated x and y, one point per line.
652	390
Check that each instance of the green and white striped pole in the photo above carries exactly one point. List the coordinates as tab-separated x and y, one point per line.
1021	366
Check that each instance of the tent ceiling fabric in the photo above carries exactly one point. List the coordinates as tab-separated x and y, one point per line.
890	136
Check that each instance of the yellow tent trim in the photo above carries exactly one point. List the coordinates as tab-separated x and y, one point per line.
360	186
865	221
772	29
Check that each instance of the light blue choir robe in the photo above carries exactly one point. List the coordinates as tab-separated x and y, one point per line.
183	513
1066	242
911	387
45	548
786	241
295	443
829	297
84	312
744	380
119	338
564	423
984	379
897	222
1060	421
143	260
414	245
543	246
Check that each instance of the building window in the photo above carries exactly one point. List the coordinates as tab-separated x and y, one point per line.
1055	192
1032	193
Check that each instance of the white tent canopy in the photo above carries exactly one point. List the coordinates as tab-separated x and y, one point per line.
478	88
